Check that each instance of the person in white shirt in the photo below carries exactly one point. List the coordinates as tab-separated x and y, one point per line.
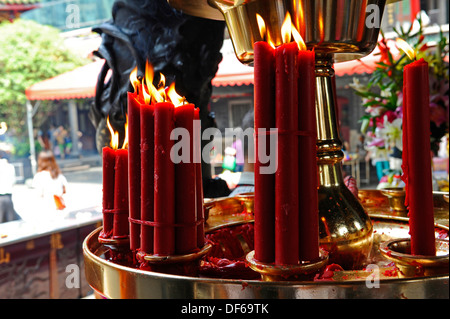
7	180
49	182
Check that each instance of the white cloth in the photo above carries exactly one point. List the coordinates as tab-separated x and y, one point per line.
7	177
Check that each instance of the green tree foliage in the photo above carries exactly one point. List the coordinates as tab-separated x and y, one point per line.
29	53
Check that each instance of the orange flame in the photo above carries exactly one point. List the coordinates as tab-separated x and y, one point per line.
174	97
134	80
115	135
263	31
405	47
298	38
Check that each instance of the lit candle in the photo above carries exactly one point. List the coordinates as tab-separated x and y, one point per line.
286	176
115	182
164	181
264	204
307	161
416	159
185	196
134	160
147	179
108	162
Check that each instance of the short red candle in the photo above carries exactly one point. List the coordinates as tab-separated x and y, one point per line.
134	168
147	180
307	161
185	197
417	159
286	198
164	174
108	158
121	226
264	204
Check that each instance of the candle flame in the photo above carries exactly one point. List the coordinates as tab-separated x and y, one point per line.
263	31
174	97
134	80
298	39
286	28
152	93
405	47
114	135
125	141
261	25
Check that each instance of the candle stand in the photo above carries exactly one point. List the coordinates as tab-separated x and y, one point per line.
352	230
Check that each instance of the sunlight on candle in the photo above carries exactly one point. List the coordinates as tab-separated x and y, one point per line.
405	47
114	135
286	28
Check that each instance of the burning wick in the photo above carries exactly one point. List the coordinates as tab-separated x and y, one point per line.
115	136
405	47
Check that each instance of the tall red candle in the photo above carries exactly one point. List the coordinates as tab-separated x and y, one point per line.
416	158
108	158
286	187
147	172
264	77
307	162
134	168
120	225
198	181
164	174
185	200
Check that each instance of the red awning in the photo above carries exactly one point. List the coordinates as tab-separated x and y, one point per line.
76	84
231	72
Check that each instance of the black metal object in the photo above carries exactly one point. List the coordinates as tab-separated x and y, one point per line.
184	48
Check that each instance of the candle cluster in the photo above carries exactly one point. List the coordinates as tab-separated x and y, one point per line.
115	188
157	203
286	204
166	200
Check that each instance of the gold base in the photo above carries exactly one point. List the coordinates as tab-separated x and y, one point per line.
301	272
184	265
396	198
399	251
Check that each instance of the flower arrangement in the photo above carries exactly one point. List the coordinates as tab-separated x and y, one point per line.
382	96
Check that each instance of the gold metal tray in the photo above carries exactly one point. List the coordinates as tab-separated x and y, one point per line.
377	280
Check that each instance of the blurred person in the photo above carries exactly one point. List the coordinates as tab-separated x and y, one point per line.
7	180
49	182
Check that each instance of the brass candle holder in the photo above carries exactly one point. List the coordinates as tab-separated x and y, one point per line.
304	271
184	265
399	251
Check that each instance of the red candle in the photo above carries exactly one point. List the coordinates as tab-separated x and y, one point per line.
264	77
307	162
286	187
164	174
185	197
134	168
147	180
108	156
121	226
198	181
416	158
